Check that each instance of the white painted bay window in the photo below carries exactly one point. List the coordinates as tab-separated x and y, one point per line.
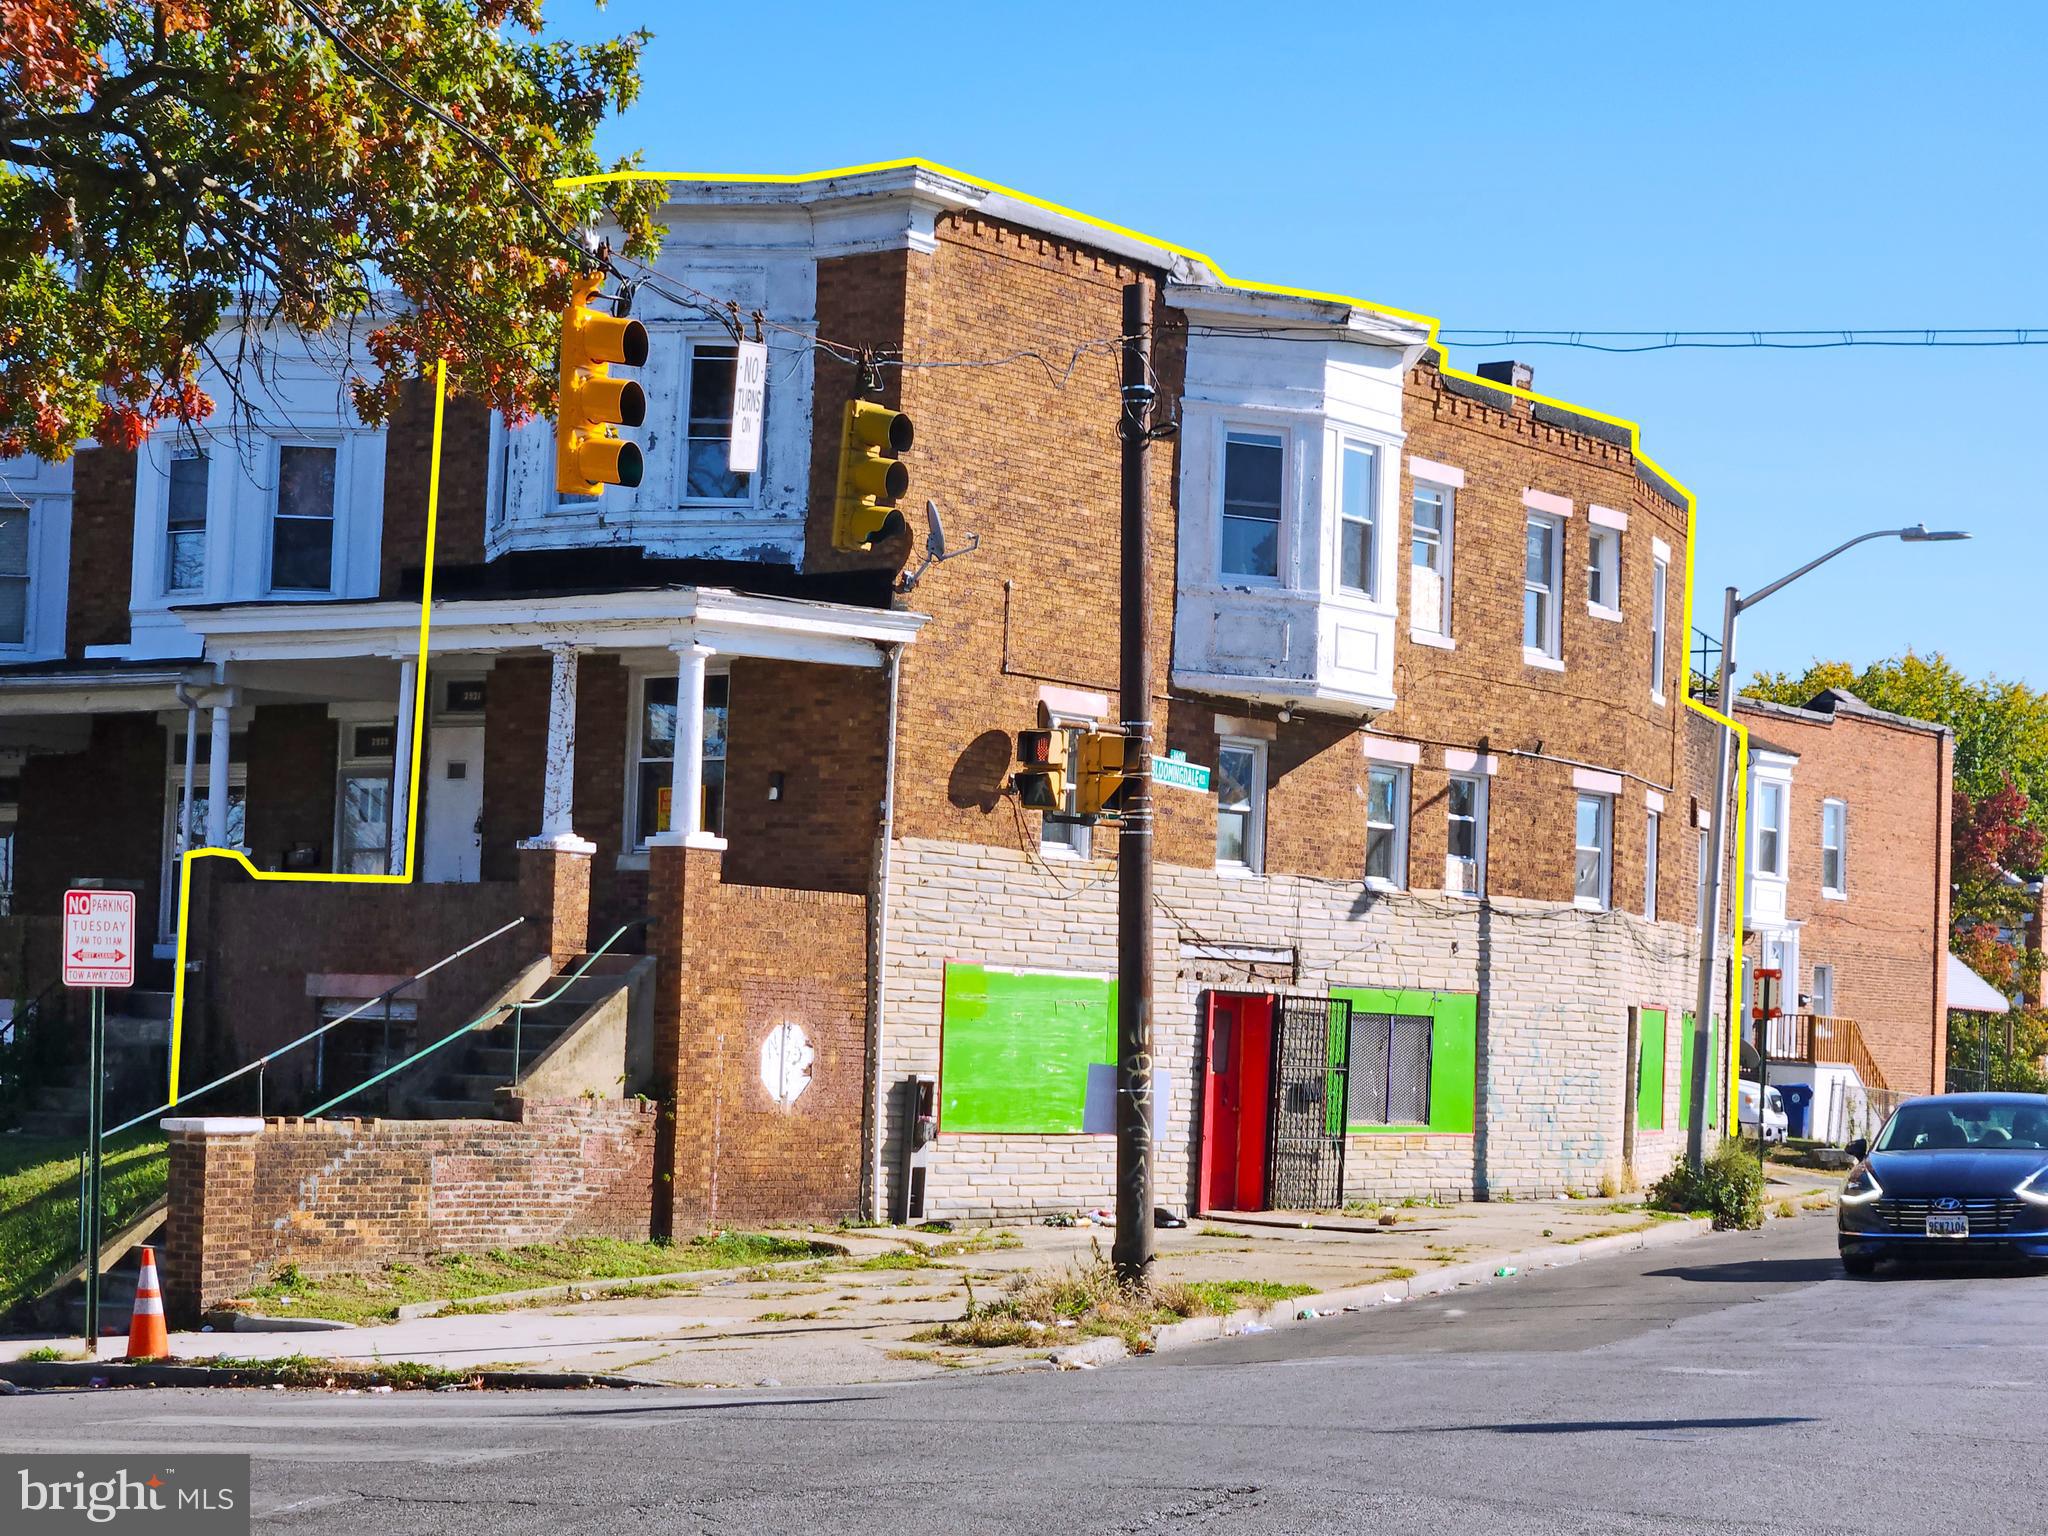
302	519
1240	804
1357	541
1542	555
1465	844
1770	828
1834	849
1431	516
1593	864
1386	826
707	470
185	523
1254	466
14	563
654	750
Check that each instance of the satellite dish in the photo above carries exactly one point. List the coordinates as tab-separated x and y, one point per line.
935	551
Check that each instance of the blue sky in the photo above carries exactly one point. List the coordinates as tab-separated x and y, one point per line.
1603	167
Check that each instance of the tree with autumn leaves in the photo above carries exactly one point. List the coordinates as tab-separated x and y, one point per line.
178	180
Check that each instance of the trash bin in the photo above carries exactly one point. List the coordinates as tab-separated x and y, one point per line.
1798	1099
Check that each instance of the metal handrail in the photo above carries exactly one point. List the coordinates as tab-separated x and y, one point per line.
515	1009
269	1056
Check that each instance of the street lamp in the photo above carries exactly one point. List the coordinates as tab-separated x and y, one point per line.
1733	603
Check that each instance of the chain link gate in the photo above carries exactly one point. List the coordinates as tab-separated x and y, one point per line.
1311	1103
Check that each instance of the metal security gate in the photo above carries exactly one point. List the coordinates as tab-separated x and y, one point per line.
1311	1101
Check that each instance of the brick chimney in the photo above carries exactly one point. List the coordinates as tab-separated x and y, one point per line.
1517	375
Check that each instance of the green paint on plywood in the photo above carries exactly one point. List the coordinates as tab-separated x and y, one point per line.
1686	1032
1016	1047
1650	1069
1453	1051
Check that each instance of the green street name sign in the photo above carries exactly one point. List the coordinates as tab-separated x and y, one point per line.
1179	773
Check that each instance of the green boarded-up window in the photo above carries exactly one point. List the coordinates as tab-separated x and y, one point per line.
1687	1030
1437	1066
1016	1049
1650	1069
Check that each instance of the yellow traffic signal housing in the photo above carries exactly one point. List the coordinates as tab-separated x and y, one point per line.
592	405
1042	781
871	479
1099	776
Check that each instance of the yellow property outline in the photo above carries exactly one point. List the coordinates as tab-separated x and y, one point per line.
1734	959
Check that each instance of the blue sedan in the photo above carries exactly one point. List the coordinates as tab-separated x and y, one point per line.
1963	1173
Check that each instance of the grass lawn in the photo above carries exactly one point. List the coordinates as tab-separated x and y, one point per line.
377	1296
39	1203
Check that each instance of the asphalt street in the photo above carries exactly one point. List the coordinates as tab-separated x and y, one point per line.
1736	1383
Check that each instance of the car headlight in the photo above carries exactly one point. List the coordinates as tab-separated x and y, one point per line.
1861	1187
2034	1188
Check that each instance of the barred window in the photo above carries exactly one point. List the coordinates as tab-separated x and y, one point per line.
1390	1060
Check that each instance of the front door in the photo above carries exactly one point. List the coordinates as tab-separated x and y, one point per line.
455	805
1237	1090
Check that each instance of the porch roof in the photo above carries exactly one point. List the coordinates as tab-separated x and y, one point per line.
732	623
96	687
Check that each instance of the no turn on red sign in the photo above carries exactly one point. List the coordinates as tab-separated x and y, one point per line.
99	938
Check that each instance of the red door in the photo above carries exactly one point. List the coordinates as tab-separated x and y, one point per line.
1236	1085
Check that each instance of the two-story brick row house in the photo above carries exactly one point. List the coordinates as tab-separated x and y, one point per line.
1421	627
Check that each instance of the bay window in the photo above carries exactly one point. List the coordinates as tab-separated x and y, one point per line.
1253	468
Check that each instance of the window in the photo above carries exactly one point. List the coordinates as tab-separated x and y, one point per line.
1603	569
1823	999
654	770
1386	827
1834	837
362	801
1770	828
1388	1068
201	799
302	524
1539	585
1357	563
1660	578
1706	863
1429	569
1465	846
1252	463
1240	804
185	524
708	475
1593	868
1069	839
14	520
1652	831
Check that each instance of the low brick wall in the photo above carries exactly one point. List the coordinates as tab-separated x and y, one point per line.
333	1196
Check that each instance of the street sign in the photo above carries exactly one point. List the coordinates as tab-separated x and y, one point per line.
749	394
99	938
1179	773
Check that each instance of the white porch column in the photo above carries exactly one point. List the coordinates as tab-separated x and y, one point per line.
686	776
401	762
217	778
558	796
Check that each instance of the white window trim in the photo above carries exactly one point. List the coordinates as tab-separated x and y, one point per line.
1374	593
1482	782
1660	617
1443	639
346	761
1605	903
33	516
1254	861
1610	612
1083	846
168	592
1551	656
633	855
335	442
1403	795
1653	858
1777	870
691	342
1834	892
1283	541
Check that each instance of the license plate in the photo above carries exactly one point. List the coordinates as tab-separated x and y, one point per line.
1948	1224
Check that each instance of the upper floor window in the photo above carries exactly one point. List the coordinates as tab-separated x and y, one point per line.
1603	570
1357	566
1068	838
1593	862
1660	581
1770	829
1541	556
1429	579
14	521
1652	835
1252	480
1465	847
302	521
185	523
654	752
708	474
1834	851
1240	804
1386	826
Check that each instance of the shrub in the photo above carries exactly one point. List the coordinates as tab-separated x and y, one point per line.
1730	1187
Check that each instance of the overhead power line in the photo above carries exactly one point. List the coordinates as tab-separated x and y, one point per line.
1784	341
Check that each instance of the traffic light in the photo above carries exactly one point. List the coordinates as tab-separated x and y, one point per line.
592	405
870	479
1099	779
1042	782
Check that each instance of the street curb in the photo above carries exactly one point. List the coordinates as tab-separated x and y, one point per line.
1437	1282
114	1373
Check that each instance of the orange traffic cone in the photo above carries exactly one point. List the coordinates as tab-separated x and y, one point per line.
147	1337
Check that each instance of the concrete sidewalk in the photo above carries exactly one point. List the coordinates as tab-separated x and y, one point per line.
851	1319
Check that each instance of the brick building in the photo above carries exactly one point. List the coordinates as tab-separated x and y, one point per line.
1421	625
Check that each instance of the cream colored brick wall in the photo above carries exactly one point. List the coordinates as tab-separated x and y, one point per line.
1555	986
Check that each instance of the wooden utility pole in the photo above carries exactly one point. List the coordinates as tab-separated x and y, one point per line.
1132	1251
